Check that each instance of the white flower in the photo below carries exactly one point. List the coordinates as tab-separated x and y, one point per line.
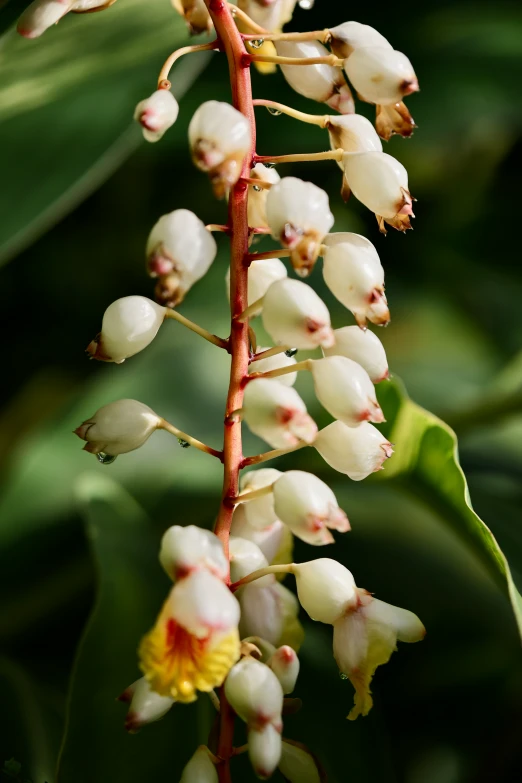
299	216
344	388
270	540
325	589
145	706
259	512
265	13
261	275
180	245
353	35
356	451
276	363
380	182
297	764
353	272
264	750
254	692
323	83
285	665
257	198
196	14
246	557
129	325
308	507
42	14
156	114
195	640
294	315
363	347
200	768
220	138
185	549
353	133
365	637
380	74
118	427
277	414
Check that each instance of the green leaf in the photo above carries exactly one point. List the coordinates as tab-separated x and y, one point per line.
66	108
425	464
132	587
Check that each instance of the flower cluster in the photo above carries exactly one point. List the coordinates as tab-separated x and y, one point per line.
228	621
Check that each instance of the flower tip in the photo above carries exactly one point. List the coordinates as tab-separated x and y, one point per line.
409	86
127	695
132	723
27	32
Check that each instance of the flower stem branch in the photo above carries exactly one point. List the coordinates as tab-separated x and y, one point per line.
329	59
301	157
259	183
163	78
237	13
281	252
218	227
273	569
212	338
252	495
304	365
270	352
168	427
250	311
311	119
315	35
268	455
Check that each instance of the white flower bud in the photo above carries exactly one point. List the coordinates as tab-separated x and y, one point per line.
269	540
128	326
380	74
297	764
220	137
180	245
344	388
363	347
308	507
269	611
196	14
156	114
200	768
299	216
294	315
353	133
277	414
261	275
201	602
85	6
323	83
325	589
380	182
118	427
285	665
347	37
145	706
185	549
264	750
246	557
265	13
257	198
259	512
276	363
353	272
255	693
41	15
355	451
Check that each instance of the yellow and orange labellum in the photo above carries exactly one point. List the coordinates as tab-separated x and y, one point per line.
178	664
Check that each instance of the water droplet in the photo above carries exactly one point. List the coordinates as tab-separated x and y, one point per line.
105	459
269	165
306	5
183	443
273	111
257	44
343	676
291	352
257	188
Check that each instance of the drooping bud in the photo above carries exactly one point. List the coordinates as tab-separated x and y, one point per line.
394	118
261	275
285	665
41	15
344	388
325	589
220	137
276	363
257	195
128	326
255	693
299	216
118	427
145	706
298	765
180	246
355	451
264	750
347	37
353	133
380	182
277	414
294	315
156	114
308	507
380	74
363	347
323	83
185	549
270	540
354	274
196	14
200	768
259	512
365	637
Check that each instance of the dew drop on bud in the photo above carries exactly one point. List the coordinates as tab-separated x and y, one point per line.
105	459
183	443
343	676
257	188
306	5
257	44
291	352
273	111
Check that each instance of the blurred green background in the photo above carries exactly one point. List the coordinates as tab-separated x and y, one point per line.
80	581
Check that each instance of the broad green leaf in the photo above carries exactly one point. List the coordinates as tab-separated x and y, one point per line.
66	105
131	589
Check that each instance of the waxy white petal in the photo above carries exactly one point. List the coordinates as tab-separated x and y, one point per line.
363	347
380	74
118	427
344	388
185	549
255	693
325	589
156	114
294	315
277	414
202	603
355	451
